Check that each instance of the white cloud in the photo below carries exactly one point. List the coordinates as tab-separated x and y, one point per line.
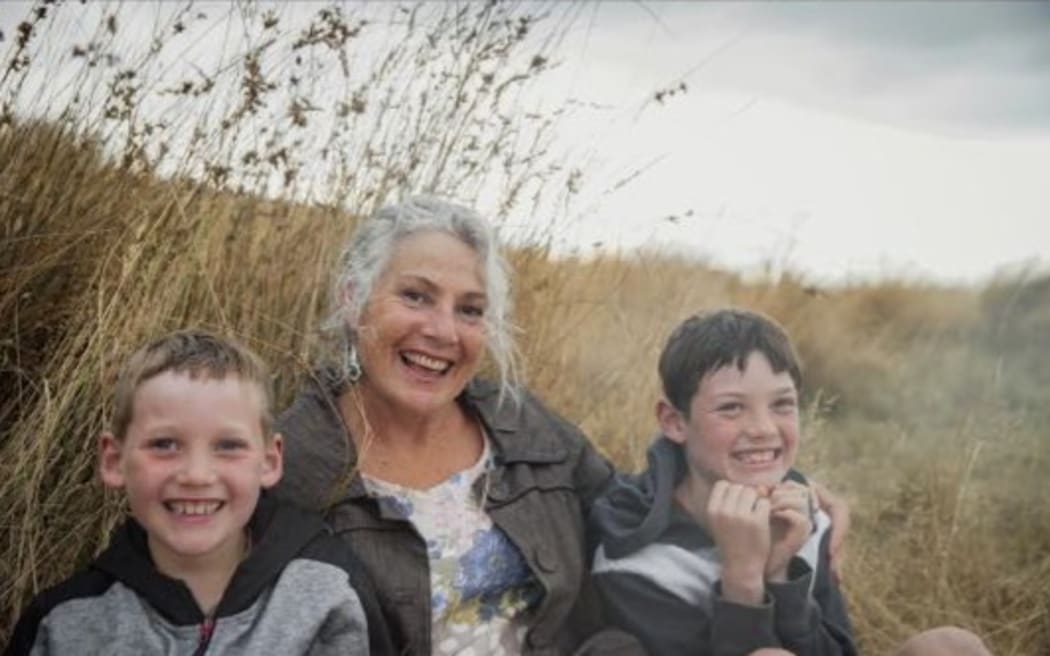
837	146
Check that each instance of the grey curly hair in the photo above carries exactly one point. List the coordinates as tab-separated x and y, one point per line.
366	255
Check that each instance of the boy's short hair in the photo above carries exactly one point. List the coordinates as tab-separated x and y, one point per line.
710	340
198	354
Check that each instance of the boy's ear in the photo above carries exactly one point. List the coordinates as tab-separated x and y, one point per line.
109	457
672	423
273	461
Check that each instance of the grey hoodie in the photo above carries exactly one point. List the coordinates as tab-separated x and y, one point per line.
300	591
658	573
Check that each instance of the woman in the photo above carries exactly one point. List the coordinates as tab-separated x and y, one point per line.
465	499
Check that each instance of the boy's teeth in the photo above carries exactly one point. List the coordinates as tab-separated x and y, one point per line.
757	457
194	507
427	362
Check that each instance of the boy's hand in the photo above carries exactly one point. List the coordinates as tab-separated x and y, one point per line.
838	510
738	518
791	509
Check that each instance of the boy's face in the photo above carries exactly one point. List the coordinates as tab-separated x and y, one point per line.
192	464
742	426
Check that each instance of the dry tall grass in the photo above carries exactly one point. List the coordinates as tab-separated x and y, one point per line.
919	408
926	404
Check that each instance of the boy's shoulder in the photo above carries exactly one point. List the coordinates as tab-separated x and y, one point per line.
83	584
74	599
86	585
319	570
637	516
302	534
298	546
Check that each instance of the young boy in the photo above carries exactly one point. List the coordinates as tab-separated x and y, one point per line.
717	547
207	562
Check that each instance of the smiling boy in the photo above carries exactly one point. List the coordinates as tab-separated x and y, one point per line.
717	547
207	562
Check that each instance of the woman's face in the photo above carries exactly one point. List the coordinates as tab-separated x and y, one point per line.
422	333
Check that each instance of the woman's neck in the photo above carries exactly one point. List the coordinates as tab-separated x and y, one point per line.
368	415
410	449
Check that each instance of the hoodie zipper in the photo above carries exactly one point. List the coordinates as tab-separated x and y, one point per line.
207	629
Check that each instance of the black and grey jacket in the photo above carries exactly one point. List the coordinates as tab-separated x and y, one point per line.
659	574
299	592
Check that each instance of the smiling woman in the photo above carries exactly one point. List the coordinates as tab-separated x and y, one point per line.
465	499
423	335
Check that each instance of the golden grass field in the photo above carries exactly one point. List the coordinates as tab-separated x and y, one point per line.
925	405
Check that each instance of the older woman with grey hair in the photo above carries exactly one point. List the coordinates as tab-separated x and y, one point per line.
465	499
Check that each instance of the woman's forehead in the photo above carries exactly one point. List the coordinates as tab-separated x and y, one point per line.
437	259
433	248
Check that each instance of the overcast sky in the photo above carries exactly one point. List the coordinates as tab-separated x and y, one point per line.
840	139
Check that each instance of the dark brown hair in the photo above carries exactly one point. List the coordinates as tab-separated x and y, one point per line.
710	340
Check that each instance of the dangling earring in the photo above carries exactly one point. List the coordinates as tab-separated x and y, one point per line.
351	365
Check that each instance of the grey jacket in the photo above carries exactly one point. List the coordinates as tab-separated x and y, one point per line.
659	574
299	592
545	477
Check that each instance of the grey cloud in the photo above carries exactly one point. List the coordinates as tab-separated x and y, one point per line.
919	25
954	66
1007	36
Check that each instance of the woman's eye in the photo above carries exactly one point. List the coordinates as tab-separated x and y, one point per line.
472	311
413	297
730	408
786	404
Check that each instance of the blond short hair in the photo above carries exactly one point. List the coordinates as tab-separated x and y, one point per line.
198	354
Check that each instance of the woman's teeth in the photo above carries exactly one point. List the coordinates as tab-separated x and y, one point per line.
427	362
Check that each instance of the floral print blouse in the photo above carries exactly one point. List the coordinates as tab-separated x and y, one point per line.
480	586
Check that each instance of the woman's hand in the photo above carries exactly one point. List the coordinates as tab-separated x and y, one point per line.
790	510
738	518
838	510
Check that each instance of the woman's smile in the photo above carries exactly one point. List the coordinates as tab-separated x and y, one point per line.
422	333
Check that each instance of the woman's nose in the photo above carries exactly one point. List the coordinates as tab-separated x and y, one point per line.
441	325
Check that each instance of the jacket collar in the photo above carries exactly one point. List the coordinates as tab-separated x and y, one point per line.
510	423
520	430
513	425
